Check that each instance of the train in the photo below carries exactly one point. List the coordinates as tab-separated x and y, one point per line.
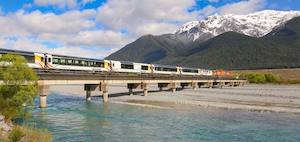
47	61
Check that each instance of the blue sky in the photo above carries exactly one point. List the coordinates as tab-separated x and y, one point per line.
96	28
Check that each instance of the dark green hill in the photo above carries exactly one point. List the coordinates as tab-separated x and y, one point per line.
278	49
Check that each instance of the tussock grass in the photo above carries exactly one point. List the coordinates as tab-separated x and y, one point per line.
27	134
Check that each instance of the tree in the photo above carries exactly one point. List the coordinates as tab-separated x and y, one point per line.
18	85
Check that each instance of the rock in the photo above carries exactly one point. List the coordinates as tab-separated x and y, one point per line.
4	126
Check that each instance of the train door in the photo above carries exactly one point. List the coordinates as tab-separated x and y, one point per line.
48	61
39	60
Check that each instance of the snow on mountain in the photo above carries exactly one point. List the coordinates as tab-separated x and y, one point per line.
255	24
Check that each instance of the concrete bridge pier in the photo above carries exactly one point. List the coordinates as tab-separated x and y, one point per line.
173	87
89	88
194	85
210	84
144	86
43	92
104	88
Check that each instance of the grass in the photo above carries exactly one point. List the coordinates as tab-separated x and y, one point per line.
287	76
27	134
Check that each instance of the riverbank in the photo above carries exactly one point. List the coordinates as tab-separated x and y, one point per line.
275	98
287	76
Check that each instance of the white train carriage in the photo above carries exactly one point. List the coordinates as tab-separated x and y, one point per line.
59	62
130	67
165	69
34	60
189	71
205	72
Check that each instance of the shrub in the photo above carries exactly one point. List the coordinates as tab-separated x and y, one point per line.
15	135
261	78
255	77
271	78
13	92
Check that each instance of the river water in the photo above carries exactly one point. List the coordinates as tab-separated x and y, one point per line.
71	119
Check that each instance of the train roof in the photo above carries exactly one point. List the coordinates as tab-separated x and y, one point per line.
73	57
4	50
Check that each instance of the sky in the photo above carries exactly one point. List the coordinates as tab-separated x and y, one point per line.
97	28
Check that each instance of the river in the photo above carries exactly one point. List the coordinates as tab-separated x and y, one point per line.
71	119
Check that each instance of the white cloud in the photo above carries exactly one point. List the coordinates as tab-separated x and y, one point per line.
73	28
27	44
145	16
87	1
58	3
243	7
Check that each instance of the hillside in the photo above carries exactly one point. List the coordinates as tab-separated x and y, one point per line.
230	50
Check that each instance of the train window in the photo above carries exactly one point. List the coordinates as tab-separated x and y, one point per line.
63	61
158	68
49	60
190	70
126	66
69	62
170	69
92	64
144	67
76	62
99	64
56	61
83	63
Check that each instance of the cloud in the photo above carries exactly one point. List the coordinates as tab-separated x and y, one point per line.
72	29
27	44
87	1
58	3
145	16
243	7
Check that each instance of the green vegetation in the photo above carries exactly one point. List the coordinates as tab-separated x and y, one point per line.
261	78
27	134
16	134
18	87
230	51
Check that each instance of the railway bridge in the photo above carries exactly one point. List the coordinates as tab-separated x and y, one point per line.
101	81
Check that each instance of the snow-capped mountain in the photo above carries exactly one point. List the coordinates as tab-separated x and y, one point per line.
255	24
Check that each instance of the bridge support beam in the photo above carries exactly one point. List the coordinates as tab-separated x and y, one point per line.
194	85
43	92
89	88
173	87
104	88
144	86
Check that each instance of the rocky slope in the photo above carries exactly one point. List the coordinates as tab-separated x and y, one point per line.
275	44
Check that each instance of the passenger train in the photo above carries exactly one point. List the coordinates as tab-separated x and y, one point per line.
60	62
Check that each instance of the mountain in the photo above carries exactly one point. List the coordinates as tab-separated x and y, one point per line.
236	49
256	24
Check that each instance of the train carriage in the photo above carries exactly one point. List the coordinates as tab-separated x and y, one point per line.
34	60
189	71
165	69
61	62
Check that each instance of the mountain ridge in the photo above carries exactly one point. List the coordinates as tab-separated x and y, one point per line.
230	50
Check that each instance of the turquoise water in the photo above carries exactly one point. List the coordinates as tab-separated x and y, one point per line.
71	119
